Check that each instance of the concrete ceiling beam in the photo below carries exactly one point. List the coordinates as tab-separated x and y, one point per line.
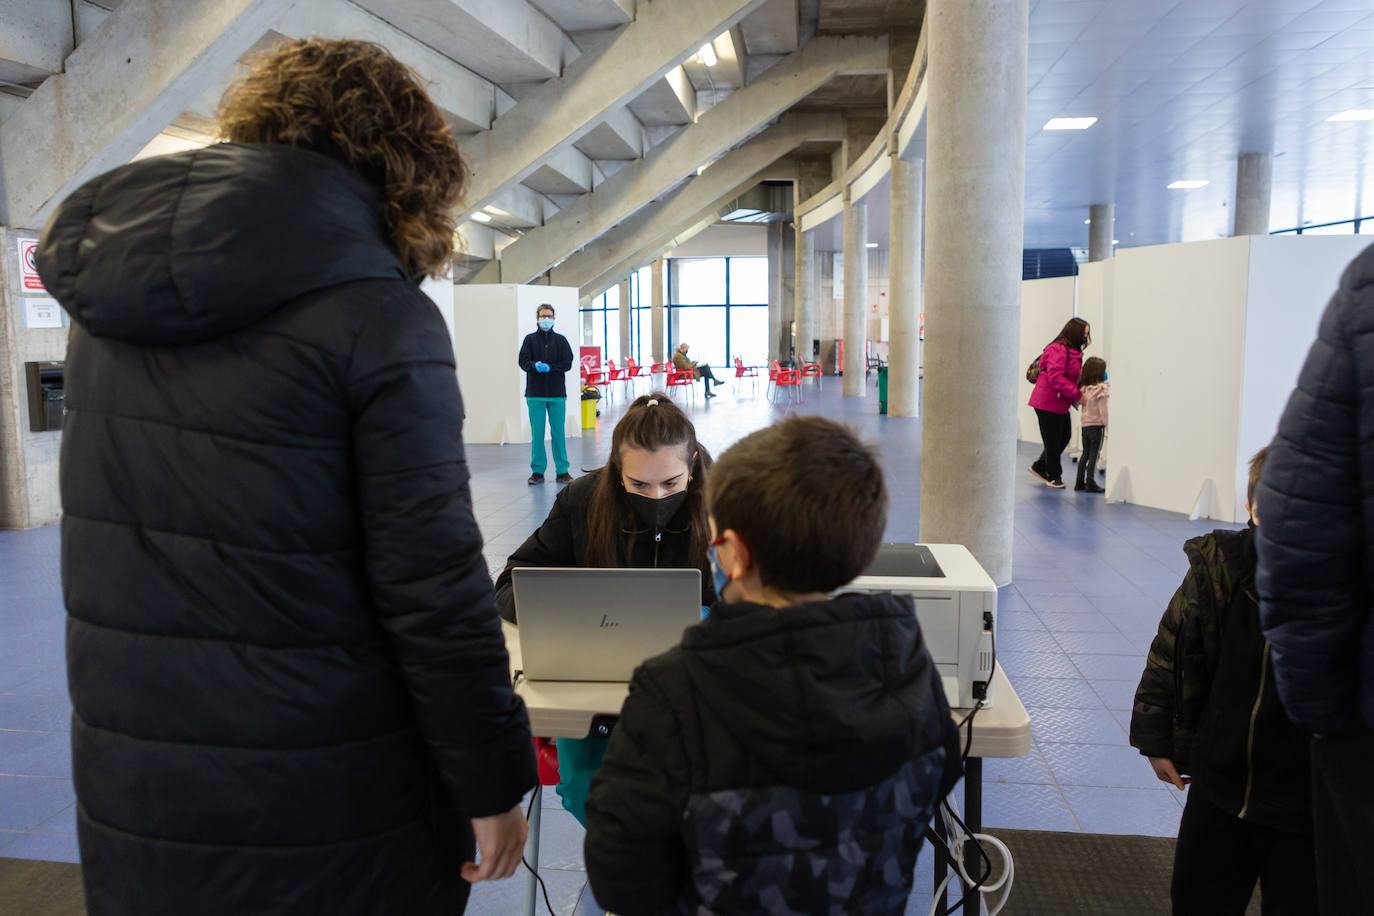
144	66
620	136
585	15
688	227
35	38
671	100
739	115
565	172
506	41
519	207
657	220
563	110
773	28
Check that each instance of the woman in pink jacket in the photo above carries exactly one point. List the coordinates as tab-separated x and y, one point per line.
1056	390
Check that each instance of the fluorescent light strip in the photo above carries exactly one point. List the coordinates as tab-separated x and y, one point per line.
1189	184
1354	114
481	217
707	54
1069	123
872	244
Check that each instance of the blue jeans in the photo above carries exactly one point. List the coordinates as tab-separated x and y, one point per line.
557	409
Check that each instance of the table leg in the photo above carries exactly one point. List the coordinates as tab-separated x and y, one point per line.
941	865
973	818
532	852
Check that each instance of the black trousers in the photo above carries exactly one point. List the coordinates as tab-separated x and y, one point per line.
1055	432
704	373
1219	857
1342	811
1092	448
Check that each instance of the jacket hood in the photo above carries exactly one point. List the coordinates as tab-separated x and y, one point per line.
813	687
195	245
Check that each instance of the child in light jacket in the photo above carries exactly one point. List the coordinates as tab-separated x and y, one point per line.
1092	382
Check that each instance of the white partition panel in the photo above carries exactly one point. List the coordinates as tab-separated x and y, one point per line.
1177	344
1095	288
1292	277
490	322
1045	306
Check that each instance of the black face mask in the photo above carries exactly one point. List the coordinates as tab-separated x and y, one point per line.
656	513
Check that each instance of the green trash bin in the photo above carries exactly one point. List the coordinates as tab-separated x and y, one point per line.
882	390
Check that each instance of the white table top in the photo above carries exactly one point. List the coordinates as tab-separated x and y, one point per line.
564	709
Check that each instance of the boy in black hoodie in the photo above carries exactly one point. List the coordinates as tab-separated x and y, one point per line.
1207	713
787	756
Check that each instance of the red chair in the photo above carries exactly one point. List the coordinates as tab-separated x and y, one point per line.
749	372
615	375
635	371
812	370
790	379
666	369
595	379
686	378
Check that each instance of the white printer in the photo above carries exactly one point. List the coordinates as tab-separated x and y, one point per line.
956	604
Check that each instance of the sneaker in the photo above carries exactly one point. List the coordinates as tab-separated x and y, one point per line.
563	478
1039	472
710	394
534	479
1056	483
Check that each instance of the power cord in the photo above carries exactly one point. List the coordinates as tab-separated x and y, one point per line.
526	862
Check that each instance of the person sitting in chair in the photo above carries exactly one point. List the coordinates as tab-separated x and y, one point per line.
682	364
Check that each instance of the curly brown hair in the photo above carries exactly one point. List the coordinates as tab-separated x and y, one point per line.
353	101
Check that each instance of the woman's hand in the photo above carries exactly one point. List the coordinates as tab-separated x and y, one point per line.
1167	772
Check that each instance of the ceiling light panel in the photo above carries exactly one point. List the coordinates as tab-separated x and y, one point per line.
1069	123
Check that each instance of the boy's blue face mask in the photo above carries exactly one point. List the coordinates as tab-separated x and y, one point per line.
1104	376
719	578
546	324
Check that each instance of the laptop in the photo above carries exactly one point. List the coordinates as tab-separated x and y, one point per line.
581	624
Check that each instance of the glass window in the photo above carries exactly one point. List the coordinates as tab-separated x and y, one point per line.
749	333
748	281
1338	229
700	281
703	329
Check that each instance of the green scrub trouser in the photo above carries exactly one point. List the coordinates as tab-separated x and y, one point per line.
557	410
578	761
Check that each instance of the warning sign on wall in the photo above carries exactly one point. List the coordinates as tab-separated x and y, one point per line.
29	280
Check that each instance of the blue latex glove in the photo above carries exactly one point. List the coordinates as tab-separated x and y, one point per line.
541	367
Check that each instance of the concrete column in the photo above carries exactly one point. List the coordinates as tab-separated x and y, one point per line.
775	291
656	310
976	174
904	355
805	329
1101	219
624	320
855	294
1254	184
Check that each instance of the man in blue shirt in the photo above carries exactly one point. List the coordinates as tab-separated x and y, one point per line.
545	356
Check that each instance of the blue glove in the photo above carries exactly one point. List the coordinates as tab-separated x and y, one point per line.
541	367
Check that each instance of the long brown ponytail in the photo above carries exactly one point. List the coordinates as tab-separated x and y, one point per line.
651	423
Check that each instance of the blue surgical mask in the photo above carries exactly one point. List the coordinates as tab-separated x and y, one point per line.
546	324
1104	376
719	578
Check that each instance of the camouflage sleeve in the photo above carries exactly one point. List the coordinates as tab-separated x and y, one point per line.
636	858
1156	699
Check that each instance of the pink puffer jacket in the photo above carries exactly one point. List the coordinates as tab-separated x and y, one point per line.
1056	389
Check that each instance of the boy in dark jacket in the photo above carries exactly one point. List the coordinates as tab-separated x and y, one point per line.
787	756
1207	713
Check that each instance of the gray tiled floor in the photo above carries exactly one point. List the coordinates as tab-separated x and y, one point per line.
1090	582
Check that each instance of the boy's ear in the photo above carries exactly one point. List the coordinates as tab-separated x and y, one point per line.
744	557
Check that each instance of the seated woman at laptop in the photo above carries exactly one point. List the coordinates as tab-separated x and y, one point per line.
644	509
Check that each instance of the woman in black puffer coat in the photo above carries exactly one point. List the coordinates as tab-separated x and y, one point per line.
290	686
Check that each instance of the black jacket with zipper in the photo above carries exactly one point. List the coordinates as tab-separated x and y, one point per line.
777	761
1207	699
545	347
289	684
562	541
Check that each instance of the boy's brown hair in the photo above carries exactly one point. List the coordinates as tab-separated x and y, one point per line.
1256	468
807	497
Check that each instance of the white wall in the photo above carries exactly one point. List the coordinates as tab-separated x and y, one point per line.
1045	306
1291	279
491	321
1095	289
1177	343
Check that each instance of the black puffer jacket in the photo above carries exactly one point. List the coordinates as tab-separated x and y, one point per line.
290	686
1207	699
777	761
1316	508
547	347
562	541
